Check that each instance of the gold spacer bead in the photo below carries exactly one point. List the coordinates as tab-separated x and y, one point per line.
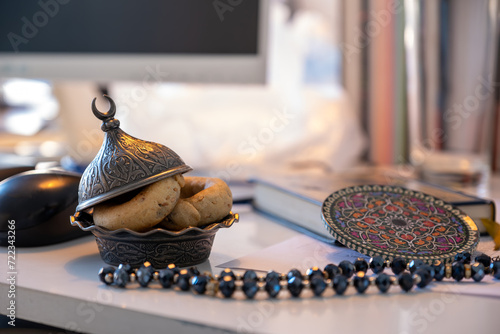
212	287
133	278
447	270
468	271
108	278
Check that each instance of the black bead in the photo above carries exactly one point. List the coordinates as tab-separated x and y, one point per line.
463	257
183	279
425	277
318	285
250	288
429	268
166	277
331	270
347	268
294	273
360	265
103	272
361	282
145	274
127	267
484	259
405	281
173	267
295	285
272	275
495	269
439	270
477	271
272	287
340	284
457	271
250	275
121	277
398	265
314	271
383	282
227	286
414	265
199	284
377	264
194	271
227	272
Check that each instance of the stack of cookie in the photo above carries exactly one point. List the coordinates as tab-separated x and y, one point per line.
173	203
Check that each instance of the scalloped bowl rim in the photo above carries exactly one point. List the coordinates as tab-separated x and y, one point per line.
226	222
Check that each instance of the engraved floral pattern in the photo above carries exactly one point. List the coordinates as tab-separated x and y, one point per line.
124	160
182	253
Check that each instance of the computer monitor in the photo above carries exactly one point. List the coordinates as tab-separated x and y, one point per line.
213	41
76	44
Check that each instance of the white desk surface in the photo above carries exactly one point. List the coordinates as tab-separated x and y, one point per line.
58	285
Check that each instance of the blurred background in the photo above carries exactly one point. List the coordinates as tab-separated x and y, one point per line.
360	82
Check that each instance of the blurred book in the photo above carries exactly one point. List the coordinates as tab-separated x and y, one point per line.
374	75
296	198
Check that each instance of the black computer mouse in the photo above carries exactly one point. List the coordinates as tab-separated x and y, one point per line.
36	205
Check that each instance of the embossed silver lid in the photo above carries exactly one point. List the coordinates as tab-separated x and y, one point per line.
124	163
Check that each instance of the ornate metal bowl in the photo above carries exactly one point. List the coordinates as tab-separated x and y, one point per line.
123	164
160	247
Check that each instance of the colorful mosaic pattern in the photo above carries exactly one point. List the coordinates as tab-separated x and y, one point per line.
394	221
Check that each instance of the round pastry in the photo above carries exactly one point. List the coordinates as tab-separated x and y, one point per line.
203	200
144	210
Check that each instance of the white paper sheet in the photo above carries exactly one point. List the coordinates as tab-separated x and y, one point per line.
300	252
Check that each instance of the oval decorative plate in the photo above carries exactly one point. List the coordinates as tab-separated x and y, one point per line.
395	221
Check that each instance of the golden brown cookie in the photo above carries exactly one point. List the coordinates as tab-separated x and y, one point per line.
144	210
203	200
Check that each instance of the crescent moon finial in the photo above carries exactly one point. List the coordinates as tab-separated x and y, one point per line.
110	113
107	118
